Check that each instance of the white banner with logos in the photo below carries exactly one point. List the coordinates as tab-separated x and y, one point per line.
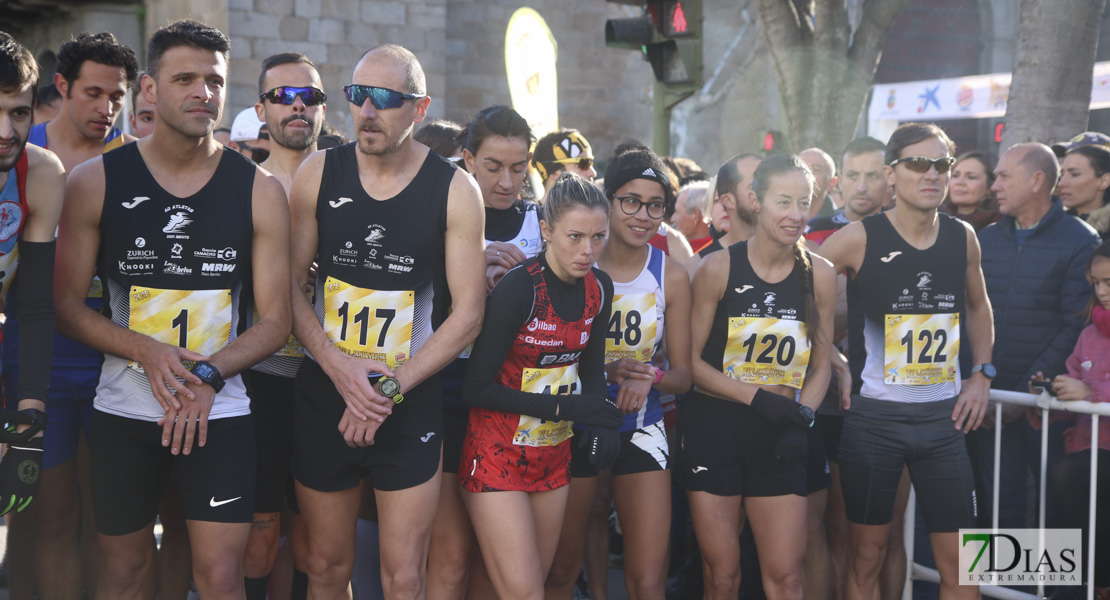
974	97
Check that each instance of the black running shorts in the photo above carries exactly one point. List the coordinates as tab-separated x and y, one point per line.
880	437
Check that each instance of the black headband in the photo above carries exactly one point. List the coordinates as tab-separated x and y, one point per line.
613	182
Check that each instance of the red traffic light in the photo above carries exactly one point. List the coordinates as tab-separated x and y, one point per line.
677	19
998	132
768	141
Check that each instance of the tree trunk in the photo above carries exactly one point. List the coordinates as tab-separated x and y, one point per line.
824	70
1050	94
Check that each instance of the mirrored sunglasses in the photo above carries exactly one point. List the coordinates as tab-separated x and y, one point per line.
287	95
381	98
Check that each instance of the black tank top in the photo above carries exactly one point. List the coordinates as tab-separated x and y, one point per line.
905	337
759	334
176	269
381	285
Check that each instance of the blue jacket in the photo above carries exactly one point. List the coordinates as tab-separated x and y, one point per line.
1037	291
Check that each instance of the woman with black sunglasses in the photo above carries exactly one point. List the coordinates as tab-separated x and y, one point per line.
651	307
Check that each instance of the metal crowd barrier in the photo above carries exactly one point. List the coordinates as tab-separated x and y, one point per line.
917	572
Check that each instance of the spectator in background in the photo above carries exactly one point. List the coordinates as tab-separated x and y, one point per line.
824	180
47	103
862	186
1034	264
442	136
969	196
563	150
689	217
223	136
685	169
1083	183
142	112
734	182
251	134
1087	138
1088	378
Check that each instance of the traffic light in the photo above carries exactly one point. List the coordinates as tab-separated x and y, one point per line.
668	34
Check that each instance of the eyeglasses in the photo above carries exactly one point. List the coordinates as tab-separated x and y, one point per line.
287	95
381	98
631	206
921	164
584	163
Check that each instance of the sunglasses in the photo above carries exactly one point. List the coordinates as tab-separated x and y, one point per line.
584	163
631	205
381	98
921	164
287	95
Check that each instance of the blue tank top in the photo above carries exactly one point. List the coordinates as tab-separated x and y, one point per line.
67	353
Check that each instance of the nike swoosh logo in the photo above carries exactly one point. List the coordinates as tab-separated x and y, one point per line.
427	436
137	200
213	503
741	290
339	202
700	469
890	257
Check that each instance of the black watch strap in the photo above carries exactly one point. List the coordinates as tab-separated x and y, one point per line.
209	374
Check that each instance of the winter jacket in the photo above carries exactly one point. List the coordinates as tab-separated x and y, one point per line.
1037	292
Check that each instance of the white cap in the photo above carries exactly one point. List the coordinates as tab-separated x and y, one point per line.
246	126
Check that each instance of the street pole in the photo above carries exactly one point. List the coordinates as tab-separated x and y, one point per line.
661	120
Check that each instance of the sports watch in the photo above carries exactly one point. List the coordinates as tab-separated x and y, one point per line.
208	374
390	388
807	412
987	369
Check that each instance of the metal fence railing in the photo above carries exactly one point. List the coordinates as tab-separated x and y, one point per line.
1047	403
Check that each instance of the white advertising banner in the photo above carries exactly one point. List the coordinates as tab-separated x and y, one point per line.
974	97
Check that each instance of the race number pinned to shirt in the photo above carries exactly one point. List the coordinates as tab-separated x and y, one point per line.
199	320
632	326
921	349
371	324
559	381
767	351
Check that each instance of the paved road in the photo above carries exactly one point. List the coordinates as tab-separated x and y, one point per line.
615	583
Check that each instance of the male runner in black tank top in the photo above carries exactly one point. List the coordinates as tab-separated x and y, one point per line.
183	232
916	278
398	230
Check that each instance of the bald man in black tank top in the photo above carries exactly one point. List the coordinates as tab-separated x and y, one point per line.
398	234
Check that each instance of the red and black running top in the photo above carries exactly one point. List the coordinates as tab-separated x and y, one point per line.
542	337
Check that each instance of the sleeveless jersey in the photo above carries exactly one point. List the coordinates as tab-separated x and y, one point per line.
758	334
528	239
177	270
530	242
506	451
381	283
13	215
906	343
67	353
636	330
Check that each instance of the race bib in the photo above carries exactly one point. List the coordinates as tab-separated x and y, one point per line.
96	288
534	431
922	349
631	332
767	351
371	324
199	320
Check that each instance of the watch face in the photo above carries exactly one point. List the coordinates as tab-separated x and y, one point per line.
989	370
389	387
